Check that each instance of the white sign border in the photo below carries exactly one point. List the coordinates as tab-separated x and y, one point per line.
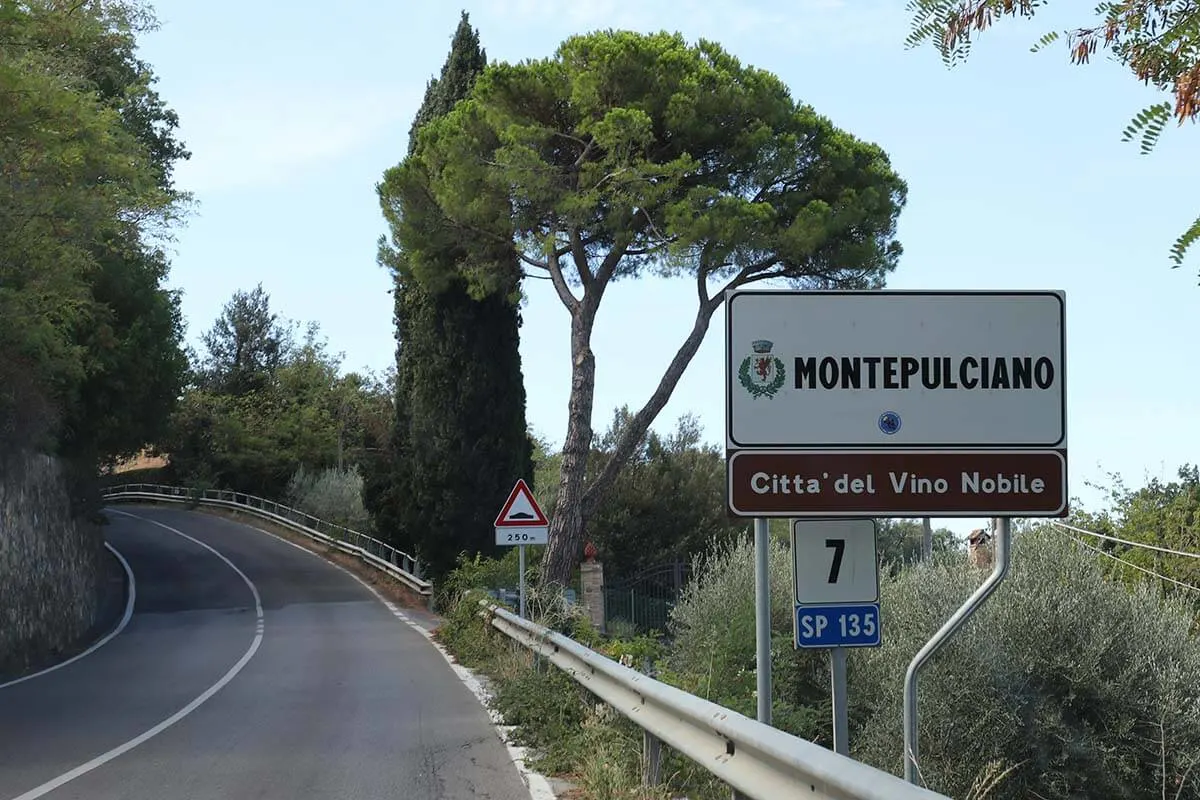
737	513
732	294
834	521
540	531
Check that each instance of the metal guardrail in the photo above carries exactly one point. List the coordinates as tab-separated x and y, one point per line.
380	555
755	759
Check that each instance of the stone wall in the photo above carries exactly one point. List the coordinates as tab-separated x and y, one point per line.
52	568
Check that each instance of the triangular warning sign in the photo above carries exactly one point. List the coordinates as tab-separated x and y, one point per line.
521	510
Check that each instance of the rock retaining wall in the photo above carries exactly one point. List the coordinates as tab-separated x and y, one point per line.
53	568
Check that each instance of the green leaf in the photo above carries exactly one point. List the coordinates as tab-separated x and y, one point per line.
1045	41
1184	243
1150	123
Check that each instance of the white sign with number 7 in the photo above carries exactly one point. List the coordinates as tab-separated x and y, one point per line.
834	561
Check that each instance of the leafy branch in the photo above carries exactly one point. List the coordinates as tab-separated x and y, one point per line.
1155	39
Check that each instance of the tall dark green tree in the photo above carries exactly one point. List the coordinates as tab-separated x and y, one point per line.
460	438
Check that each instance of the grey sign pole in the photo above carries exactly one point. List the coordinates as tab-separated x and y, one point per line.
959	618
521	576
841	713
762	615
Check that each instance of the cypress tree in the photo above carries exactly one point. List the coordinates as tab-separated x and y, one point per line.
460	438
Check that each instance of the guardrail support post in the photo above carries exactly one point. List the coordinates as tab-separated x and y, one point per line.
651	759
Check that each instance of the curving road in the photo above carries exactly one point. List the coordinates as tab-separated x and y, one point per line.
249	668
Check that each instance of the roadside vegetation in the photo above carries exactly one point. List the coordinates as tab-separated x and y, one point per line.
1081	677
269	412
90	339
1074	680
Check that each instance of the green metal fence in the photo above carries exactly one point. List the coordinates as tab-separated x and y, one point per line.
644	601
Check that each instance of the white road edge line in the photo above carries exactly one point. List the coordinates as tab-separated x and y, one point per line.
538	784
103	759
107	637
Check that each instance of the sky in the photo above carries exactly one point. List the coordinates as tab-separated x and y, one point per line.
1017	177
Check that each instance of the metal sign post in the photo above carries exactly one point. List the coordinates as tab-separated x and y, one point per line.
521	578
841	710
959	618
521	522
835	583
762	616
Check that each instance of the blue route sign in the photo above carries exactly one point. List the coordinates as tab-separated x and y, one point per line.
826	626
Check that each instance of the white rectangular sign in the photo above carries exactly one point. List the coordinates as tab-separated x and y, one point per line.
946	370
515	536
834	561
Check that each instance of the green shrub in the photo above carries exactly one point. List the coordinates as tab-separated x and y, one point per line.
465	634
713	653
638	648
551	713
479	572
1083	687
333	495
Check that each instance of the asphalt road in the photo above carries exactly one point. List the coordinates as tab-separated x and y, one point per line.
249	671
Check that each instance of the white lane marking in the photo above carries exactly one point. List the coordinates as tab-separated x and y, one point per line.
538	784
103	759
106	639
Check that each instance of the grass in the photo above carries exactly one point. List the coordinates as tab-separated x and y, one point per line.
574	735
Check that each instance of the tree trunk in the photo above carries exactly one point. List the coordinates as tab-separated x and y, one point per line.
566	522
640	422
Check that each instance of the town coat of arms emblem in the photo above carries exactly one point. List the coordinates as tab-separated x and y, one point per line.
762	374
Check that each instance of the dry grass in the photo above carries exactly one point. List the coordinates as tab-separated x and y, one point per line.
141	461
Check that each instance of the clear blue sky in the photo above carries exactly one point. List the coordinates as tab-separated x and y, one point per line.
1017	177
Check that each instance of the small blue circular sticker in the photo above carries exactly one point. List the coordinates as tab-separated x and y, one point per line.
889	422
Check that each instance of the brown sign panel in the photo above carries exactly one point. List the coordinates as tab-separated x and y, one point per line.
898	483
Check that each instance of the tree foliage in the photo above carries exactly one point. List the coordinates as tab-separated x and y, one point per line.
625	153
245	345
460	439
899	542
667	504
252	423
90	353
136	363
1158	40
334	495
1161	514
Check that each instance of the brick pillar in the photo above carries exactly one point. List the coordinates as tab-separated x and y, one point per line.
592	583
979	548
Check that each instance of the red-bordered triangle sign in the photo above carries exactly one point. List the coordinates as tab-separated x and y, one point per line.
521	510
